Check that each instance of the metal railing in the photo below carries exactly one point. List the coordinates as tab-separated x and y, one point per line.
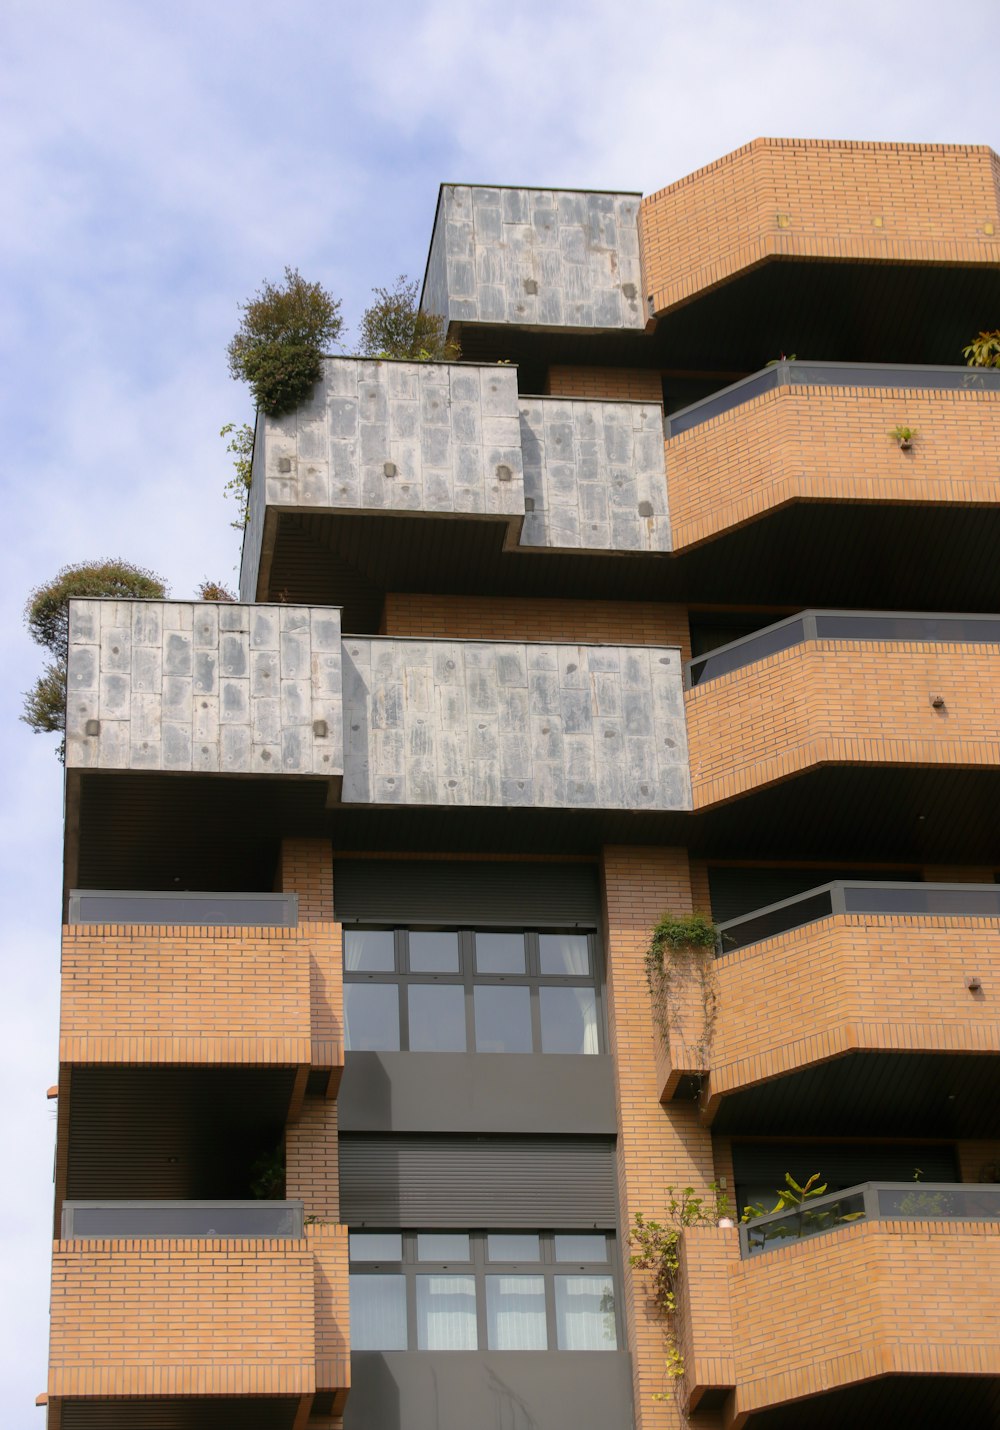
872	1201
142	1220
857	896
811	625
132	906
790	373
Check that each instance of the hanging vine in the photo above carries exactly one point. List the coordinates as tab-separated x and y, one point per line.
682	949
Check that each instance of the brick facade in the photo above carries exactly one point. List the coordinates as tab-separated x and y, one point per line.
617	384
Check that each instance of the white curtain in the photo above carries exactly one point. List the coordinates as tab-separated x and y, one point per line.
564	954
378	1313
585	1313
515	1313
446	1313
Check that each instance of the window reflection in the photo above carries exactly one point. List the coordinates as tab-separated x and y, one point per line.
437	1017
503	1019
371	1017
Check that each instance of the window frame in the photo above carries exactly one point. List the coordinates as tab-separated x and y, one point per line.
479	1267
469	979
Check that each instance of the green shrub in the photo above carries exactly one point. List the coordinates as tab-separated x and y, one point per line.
282	337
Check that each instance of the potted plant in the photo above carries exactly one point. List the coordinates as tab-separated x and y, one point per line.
904	436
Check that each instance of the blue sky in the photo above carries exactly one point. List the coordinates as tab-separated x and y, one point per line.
159	162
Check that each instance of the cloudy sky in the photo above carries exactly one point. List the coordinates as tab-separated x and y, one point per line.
158	162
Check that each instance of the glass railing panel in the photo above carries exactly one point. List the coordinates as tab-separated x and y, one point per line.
775	919
879	626
972	900
722	401
934	1201
751	648
182	1219
108	906
812	1219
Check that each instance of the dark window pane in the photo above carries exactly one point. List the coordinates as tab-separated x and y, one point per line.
569	1020
369	951
564	954
437	1017
371	1017
376	1246
585	1313
499	953
378	1313
443	1246
446	1313
515	1313
581	1248
433	952
513	1246
503	1019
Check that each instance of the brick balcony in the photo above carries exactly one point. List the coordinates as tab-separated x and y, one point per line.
892	983
819	199
164	1320
852	701
841	1310
814	443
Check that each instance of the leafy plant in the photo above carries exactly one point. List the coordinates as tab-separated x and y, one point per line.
279	347
240	444
46	615
395	327
655	1247
267	1175
984	350
785	357
903	435
793	1197
790	1196
681	949
214	591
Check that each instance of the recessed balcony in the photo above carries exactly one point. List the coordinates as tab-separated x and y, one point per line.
899	1281
855	689
179	1314
853	1007
822	433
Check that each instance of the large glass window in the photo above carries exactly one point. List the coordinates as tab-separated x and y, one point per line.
504	1291
487	991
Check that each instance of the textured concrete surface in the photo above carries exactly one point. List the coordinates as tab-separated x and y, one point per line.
506	723
176	685
535	257
594	476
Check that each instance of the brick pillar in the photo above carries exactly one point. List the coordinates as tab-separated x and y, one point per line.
658	1146
306	869
312	1172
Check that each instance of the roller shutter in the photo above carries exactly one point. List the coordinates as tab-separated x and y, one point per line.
465	892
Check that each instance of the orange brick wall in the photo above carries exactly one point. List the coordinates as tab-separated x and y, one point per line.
705	1329
618	384
328	1245
177	1317
658	1147
306	869
928	203
537	619
185	995
880	1297
842	702
311	1165
821	443
874	982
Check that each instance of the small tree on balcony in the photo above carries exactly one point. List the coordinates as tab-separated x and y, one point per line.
283	334
46	615
984	350
394	326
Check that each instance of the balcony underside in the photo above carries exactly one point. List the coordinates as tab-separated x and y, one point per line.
843	312
163	831
258	1412
873	1095
920	557
920	1402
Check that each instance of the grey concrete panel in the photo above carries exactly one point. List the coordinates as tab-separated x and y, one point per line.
535	257
473	1390
179	685
506	723
594	475
477	1092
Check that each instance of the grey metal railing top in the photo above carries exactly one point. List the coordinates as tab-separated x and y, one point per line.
857	896
872	1201
957	627
182	1219
132	906
793	373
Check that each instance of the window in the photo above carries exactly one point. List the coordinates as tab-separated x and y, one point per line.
502	1291
451	991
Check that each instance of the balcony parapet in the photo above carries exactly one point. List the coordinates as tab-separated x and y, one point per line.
907	1295
922	692
554	258
819	199
514	724
200	687
241	1315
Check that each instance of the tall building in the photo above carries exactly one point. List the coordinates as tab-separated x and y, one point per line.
656	603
